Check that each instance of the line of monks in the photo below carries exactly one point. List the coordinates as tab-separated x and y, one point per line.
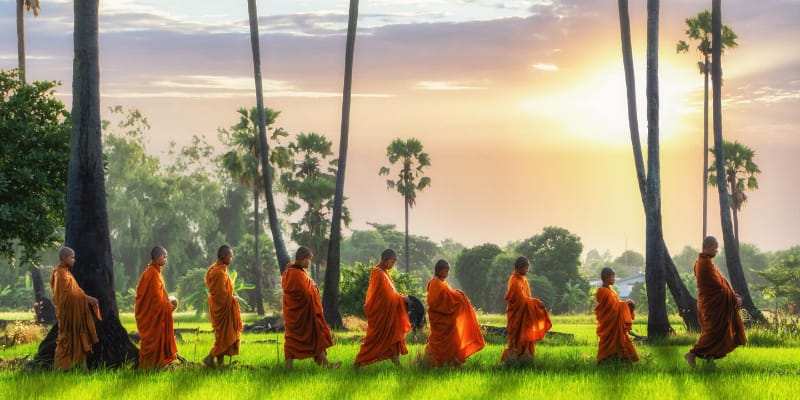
454	330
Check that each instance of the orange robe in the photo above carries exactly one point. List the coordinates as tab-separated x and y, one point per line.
76	331
306	334
528	320
223	310
153	313
721	327
387	320
614	320
455	333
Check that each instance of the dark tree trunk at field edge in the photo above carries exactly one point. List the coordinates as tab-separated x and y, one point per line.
43	306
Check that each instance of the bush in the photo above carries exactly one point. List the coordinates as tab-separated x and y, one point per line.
22	332
355	281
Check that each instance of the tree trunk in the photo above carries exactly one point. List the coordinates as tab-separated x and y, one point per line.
259	297
21	39
87	220
43	306
272	212
687	305
406	255
330	298
705	147
735	271
734	206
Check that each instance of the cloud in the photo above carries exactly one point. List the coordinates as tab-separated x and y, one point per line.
446	85
545	67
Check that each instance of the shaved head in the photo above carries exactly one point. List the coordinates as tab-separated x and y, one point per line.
710	241
606	272
224	250
302	252
157	251
441	265
65	252
388	254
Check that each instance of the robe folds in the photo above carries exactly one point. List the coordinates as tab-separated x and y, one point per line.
455	333
306	334
614	321
721	327
387	320
76	330
153	312
528	320
223	311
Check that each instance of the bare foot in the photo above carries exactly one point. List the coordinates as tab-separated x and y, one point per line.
690	359
333	365
209	362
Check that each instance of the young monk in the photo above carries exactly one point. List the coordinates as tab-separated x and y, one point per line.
528	320
614	321
223	310
721	327
306	334
153	312
387	320
455	333
76	330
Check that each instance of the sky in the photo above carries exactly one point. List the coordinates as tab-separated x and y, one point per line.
520	104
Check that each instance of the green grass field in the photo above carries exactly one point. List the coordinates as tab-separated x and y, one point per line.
564	369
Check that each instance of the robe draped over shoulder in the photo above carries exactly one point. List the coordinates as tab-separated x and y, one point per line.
223	311
76	329
528	320
387	320
455	333
153	312
306	334
614	321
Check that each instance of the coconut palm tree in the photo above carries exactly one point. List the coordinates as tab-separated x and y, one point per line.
735	270
330	298
699	29
741	172
264	152
410	178
31	6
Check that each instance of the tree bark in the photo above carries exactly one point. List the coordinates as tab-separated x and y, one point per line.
735	271
87	220
406	255
259	298
272	211
705	146
330	297
43	306
21	39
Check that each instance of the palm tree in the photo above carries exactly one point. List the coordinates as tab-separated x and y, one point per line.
741	172
410	178
264	153
699	29
330	298
30	6
87	218
659	266
732	259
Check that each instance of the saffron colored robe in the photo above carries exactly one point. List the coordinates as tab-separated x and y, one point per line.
528	321
614	321
455	333
223	311
306	334
76	330
153	313
387	320
721	327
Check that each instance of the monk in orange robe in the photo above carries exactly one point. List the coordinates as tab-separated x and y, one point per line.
721	327
614	321
153	312
223	310
306	334
76	330
387	319
528	320
455	333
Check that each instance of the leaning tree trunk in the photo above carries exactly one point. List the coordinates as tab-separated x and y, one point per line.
43	306
272	211
735	271
258	296
705	146
87	220
21	38
407	255
333	270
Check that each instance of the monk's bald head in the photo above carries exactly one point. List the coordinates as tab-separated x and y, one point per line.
65	252
710	246
157	252
441	266
388	254
224	250
606	273
302	253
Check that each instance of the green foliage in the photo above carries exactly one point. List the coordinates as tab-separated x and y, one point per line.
555	254
192	290
366	246
684	261
740	170
410	177
480	275
355	281
245	261
783	280
699	29
35	127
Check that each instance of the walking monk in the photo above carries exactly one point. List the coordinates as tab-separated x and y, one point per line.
528	320
455	333
387	320
153	312
223	310
614	321
721	327
76	332
306	333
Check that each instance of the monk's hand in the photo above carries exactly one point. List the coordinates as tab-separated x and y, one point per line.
406	300
92	301
739	301
174	302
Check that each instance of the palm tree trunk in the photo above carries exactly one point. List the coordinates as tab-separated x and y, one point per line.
21	38
87	219
705	148
735	271
258	297
272	212
333	271
406	255
686	303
